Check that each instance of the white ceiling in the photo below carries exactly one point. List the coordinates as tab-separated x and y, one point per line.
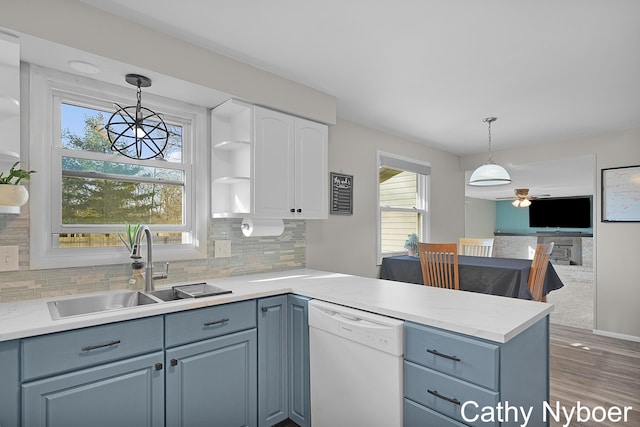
431	70
426	70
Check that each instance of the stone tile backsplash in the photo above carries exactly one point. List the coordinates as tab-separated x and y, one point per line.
248	255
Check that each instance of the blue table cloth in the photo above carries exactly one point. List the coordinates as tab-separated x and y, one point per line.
497	276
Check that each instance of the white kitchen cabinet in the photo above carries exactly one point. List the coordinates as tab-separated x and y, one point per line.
267	164
9	99
9	107
291	163
231	159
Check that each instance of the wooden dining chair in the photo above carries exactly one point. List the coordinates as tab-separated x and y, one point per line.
476	247
439	262
538	270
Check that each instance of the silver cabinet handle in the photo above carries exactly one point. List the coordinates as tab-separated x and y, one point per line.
95	347
441	396
216	322
446	356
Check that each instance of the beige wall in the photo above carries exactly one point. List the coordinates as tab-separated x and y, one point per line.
479	217
616	245
347	243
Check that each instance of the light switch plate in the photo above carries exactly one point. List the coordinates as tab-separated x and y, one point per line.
222	249
8	258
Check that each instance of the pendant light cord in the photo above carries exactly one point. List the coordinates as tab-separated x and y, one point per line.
489	120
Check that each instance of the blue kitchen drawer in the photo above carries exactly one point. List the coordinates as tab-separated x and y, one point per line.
66	351
440	393
465	358
195	325
416	415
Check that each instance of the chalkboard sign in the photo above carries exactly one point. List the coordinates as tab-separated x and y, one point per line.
621	194
341	194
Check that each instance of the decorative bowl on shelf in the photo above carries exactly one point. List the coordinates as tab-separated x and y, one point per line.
13	195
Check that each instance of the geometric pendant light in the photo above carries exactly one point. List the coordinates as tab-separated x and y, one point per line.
135	131
490	173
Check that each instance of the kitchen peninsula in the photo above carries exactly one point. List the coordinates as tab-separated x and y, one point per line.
511	334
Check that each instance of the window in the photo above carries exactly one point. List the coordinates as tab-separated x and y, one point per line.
90	192
402	202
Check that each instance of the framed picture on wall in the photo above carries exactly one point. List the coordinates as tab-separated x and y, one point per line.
621	194
341	194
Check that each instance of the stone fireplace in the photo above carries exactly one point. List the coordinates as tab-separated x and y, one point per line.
566	250
523	246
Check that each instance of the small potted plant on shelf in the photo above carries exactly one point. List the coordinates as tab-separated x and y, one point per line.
12	193
411	244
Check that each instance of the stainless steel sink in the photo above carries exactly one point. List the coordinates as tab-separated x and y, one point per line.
193	290
165	294
92	304
60	309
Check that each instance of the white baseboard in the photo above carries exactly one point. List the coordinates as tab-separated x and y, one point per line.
616	335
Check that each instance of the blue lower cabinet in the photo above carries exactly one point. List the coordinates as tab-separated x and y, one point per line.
451	379
298	360
129	392
212	382
273	401
446	394
416	415
10	383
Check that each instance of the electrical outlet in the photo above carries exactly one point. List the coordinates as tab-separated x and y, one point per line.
222	249
8	258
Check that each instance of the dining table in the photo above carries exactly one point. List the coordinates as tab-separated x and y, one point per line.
489	275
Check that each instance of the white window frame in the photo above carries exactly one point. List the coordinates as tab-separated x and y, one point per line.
423	169
47	88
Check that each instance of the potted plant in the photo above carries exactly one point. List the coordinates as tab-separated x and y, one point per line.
12	193
129	239
411	244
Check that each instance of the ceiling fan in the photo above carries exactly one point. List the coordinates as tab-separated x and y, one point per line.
522	198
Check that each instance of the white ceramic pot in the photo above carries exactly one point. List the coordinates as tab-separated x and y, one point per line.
13	195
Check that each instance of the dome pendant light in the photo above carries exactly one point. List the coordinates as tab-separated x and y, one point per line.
490	173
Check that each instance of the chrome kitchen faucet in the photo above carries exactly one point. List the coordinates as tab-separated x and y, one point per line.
149	276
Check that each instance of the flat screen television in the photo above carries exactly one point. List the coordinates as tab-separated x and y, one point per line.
571	212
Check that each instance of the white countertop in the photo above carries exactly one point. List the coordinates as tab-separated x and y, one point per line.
490	317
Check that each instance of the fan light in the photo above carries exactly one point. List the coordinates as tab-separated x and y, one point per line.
522	198
490	173
521	203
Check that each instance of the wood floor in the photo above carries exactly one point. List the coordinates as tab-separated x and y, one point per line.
593	370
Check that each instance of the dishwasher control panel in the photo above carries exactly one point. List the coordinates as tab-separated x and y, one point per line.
373	330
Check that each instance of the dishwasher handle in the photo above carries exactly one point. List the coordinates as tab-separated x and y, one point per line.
352	319
349	317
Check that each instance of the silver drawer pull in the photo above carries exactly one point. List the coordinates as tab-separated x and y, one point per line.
448	399
216	322
446	356
95	347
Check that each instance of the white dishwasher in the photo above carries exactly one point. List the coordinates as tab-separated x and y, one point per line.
355	367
